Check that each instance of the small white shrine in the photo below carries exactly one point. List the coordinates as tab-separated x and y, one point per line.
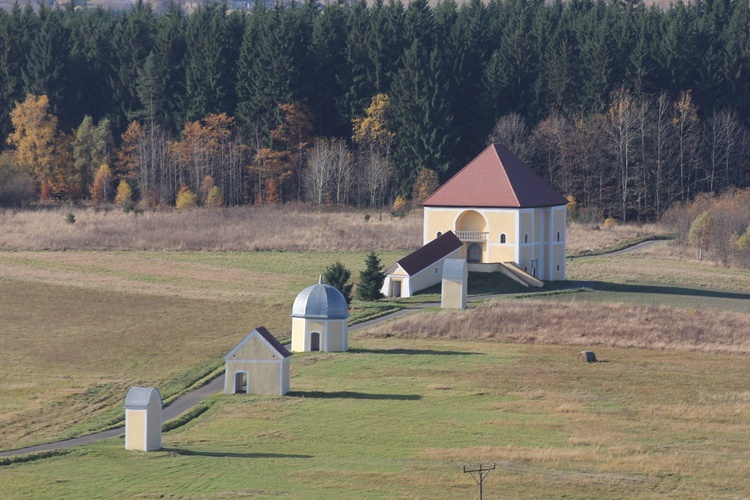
143	419
455	284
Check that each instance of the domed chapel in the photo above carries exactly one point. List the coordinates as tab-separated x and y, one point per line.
319	319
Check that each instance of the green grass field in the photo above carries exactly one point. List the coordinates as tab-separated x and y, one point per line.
91	324
391	418
388	420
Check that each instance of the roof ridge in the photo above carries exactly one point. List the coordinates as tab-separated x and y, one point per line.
504	170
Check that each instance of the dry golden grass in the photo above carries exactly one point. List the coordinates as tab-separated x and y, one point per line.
285	228
594	238
581	324
663	264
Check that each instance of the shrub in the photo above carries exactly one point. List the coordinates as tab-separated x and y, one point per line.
215	197
338	277
124	196
70	218
186	199
609	223
16	187
400	206
571	207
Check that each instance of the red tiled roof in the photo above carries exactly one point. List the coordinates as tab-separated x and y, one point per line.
433	251
273	341
495	179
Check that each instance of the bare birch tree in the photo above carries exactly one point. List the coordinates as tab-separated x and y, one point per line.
621	127
511	131
319	171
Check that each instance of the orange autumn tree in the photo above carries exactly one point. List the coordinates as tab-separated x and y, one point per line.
205	151
427	182
35	139
131	152
278	169
101	189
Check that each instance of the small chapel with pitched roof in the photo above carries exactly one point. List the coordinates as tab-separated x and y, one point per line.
502	212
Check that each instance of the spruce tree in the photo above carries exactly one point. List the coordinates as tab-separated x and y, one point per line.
371	279
338	277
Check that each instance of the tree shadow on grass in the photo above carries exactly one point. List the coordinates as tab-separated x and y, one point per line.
353	395
667	290
415	352
221	454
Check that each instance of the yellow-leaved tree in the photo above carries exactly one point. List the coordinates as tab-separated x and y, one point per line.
34	138
371	131
124	196
186	199
374	140
426	184
101	190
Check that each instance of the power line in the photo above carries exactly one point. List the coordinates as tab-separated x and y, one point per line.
481	473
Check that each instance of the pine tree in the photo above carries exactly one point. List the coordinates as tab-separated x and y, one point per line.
90	65
45	73
14	45
371	279
167	75
328	45
206	67
132	43
339	277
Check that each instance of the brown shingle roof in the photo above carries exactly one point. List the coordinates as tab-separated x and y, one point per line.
433	251
495	179
273	341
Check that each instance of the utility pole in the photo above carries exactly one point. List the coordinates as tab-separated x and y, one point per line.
481	473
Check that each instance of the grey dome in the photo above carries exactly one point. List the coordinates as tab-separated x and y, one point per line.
320	301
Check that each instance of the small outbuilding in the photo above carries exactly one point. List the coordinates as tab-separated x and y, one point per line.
422	268
455	284
319	319
143	419
259	364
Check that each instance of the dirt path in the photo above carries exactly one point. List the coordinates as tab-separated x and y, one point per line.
214	386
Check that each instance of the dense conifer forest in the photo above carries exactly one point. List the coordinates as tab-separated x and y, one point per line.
623	107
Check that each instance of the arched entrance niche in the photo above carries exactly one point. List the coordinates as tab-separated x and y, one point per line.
471	220
471	228
315	341
474	253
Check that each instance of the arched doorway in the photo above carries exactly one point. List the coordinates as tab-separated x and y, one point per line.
241	383
315	341
474	253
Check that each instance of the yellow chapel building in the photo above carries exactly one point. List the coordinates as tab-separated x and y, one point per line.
502	212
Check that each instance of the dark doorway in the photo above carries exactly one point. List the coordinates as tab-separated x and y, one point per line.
474	253
314	341
240	383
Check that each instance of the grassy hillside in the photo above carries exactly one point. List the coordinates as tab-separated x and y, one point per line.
91	324
400	418
664	413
